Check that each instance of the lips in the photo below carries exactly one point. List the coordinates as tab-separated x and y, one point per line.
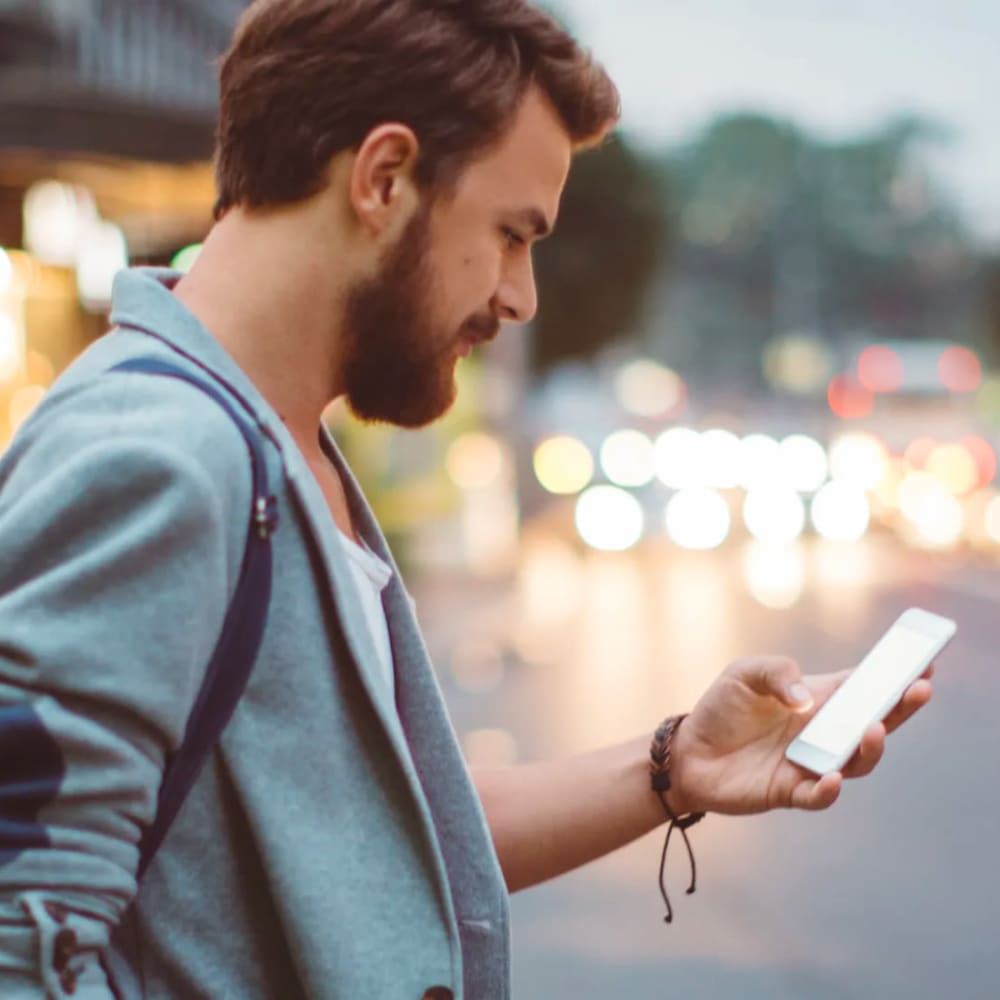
481	331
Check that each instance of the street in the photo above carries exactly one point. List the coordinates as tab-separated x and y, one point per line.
893	893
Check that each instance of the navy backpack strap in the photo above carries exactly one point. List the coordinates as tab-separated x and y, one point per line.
233	658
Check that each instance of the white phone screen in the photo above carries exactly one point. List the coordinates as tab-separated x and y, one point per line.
857	703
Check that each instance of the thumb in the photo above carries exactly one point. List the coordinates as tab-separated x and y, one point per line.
778	677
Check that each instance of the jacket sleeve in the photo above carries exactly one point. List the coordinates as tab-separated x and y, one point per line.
123	513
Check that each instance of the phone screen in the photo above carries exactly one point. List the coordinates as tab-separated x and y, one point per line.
839	724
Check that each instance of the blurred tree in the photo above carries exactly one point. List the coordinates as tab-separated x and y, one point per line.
594	272
780	232
991	303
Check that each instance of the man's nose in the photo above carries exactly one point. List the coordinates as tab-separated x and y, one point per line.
517	297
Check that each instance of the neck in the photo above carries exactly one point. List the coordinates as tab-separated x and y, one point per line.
276	309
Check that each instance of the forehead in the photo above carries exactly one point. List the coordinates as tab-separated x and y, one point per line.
527	168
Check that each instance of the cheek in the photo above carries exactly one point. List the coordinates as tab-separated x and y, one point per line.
467	278
479	275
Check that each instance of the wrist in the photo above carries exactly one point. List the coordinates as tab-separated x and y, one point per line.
668	756
679	797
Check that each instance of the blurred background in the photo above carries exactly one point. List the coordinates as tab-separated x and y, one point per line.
758	412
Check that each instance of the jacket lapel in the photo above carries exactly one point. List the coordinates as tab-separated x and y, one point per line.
470	859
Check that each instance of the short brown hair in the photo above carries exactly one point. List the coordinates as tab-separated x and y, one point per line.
306	79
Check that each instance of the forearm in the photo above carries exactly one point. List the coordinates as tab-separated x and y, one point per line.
549	818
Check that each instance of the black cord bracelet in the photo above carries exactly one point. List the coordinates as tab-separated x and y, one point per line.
659	770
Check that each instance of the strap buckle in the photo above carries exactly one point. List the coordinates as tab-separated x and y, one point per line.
265	516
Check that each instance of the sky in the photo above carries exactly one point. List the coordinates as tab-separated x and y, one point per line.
837	67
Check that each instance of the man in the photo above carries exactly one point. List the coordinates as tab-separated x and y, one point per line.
384	167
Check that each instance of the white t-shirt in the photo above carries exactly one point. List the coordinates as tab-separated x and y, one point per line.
371	575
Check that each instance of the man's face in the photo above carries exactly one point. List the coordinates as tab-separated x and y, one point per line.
460	269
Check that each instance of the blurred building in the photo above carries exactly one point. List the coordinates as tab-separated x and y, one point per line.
107	113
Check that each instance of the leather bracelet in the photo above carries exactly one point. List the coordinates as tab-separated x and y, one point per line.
660	751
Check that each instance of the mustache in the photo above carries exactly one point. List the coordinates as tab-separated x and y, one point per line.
481	328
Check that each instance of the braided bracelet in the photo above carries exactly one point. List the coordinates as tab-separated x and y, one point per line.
659	770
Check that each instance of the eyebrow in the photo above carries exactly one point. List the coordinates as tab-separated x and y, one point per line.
535	219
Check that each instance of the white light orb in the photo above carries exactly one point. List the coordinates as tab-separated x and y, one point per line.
698	519
803	461
102	254
759	462
628	458
859	459
11	348
720	459
677	455
609	519
56	218
774	515
840	513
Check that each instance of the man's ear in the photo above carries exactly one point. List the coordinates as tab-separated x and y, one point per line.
383	189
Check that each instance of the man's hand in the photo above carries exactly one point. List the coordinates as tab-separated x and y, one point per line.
729	754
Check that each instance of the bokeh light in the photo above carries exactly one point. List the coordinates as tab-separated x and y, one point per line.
719	459
798	364
934	513
774	574
848	399
759	462
954	468
103	253
184	259
774	515
11	348
628	458
858	459
563	465
475	461
880	368
992	519
56	217
840	513
917	452
697	519
677	456
983	455
609	519
960	369
648	389
803	462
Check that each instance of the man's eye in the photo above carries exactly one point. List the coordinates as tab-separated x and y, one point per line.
512	239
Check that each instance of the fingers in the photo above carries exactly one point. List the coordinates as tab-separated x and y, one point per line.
817	793
868	754
917	695
777	677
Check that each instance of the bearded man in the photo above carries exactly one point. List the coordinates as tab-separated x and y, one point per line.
384	168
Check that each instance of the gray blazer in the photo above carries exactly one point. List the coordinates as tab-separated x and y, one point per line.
334	846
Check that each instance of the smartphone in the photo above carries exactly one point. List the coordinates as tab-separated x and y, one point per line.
871	691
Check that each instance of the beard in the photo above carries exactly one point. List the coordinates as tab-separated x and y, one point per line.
399	365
